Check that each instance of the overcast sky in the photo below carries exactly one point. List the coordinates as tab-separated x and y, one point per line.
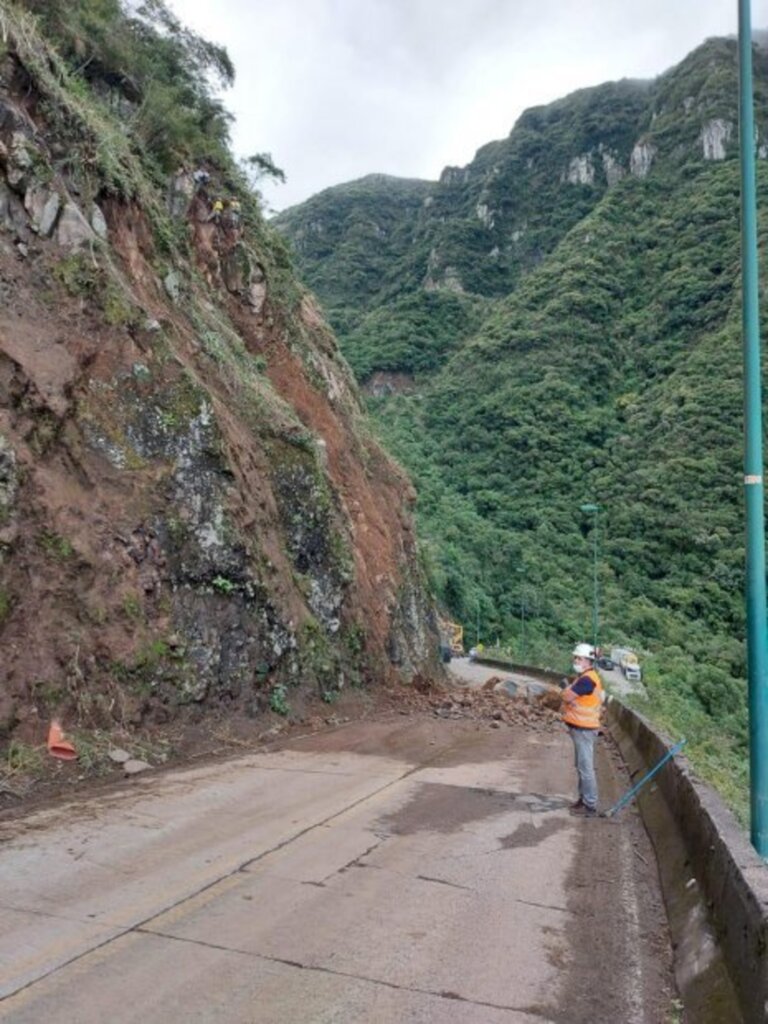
336	89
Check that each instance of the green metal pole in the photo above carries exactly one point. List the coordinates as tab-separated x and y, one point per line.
591	509
753	453
522	616
595	605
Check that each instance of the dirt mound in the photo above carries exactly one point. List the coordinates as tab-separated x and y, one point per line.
495	706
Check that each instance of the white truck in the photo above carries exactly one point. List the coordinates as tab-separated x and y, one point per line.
630	667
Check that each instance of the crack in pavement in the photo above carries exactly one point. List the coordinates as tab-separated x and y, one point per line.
545	906
356	862
444	881
305	771
319	968
47	913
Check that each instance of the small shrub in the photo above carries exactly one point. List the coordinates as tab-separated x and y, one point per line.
132	606
278	701
23	759
56	546
223	585
78	274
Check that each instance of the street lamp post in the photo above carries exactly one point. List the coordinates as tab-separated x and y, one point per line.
522	616
757	669
591	509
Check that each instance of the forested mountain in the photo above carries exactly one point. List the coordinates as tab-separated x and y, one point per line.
193	514
564	327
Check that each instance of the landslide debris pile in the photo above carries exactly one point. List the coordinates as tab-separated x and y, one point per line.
496	706
192	511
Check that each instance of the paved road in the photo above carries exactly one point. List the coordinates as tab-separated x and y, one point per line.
411	869
618	684
472	674
469	672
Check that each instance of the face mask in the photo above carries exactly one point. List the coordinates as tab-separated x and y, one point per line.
577	667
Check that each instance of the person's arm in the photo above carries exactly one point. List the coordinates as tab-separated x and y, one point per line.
581	687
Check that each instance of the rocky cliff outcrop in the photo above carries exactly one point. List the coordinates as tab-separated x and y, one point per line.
192	511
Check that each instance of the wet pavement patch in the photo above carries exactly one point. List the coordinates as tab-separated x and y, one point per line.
537	803
435	807
528	834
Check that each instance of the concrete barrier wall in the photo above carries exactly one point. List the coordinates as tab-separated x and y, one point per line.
543	674
732	878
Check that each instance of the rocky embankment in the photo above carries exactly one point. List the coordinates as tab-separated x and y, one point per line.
192	513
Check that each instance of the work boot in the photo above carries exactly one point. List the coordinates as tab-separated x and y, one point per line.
584	811
577	804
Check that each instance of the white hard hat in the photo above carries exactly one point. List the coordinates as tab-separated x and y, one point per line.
584	651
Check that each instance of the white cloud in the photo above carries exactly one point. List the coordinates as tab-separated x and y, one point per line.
335	89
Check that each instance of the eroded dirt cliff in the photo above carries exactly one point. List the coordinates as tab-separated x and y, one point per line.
193	512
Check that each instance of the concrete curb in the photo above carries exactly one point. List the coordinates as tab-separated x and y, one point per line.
543	674
732	878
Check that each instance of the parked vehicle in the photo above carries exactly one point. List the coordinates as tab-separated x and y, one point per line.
630	667
627	658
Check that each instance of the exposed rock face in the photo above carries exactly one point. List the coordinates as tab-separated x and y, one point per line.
485	214
43	207
236	269
614	172
73	229
454	176
13	217
581	170
98	223
23	157
319	550
9	481
384	383
715	136
180	192
641	160
187	505
257	294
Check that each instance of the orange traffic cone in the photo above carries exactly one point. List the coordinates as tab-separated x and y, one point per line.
58	746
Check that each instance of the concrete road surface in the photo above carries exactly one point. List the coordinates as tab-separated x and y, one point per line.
472	674
409	869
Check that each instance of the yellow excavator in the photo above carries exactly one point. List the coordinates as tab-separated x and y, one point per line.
451	636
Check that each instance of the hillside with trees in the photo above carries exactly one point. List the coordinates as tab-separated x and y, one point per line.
567	319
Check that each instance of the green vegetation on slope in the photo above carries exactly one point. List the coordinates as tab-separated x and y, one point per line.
609	373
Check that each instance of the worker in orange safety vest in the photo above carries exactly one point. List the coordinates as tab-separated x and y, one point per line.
582	702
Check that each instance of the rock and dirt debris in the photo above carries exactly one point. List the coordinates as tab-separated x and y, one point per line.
495	706
222	734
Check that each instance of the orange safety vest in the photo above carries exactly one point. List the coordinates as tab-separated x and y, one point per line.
584	711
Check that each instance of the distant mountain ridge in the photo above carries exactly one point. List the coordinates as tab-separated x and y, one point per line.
480	228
